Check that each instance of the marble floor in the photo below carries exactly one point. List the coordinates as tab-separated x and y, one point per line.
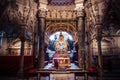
72	66
62	76
66	76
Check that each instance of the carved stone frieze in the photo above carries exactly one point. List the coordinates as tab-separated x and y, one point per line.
61	14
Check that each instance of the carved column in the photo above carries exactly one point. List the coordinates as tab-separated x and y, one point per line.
22	38
88	51
88	35
41	36
81	38
35	45
98	26
99	38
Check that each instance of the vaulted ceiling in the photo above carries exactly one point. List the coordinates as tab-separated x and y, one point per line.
112	13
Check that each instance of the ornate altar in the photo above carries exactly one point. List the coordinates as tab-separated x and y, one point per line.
61	61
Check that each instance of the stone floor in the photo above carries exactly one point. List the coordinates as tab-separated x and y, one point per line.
113	75
63	78
72	66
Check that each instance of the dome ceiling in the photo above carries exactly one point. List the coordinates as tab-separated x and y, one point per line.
60	2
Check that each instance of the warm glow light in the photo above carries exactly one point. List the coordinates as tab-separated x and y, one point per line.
65	34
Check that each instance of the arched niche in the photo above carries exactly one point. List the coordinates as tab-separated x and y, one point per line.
65	27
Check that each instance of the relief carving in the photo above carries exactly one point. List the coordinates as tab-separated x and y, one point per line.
58	14
42	12
80	12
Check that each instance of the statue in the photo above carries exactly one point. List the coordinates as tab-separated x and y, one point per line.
61	46
61	59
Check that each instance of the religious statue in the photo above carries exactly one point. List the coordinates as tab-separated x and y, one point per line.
61	46
61	59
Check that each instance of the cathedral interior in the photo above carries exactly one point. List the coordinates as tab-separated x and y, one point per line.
48	39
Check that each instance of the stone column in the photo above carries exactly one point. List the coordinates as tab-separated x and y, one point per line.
88	62
81	38
35	46
98	27
41	36
99	38
22	38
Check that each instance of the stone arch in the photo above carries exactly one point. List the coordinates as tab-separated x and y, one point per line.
61	26
66	27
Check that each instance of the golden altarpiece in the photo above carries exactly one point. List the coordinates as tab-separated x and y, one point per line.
61	59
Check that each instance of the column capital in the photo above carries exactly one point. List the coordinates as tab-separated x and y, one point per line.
42	12
80	12
88	5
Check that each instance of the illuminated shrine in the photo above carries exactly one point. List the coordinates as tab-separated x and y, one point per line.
59	39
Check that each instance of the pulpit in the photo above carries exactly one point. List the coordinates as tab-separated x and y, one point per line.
61	61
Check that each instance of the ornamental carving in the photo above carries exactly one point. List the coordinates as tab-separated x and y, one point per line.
61	14
42	12
80	12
